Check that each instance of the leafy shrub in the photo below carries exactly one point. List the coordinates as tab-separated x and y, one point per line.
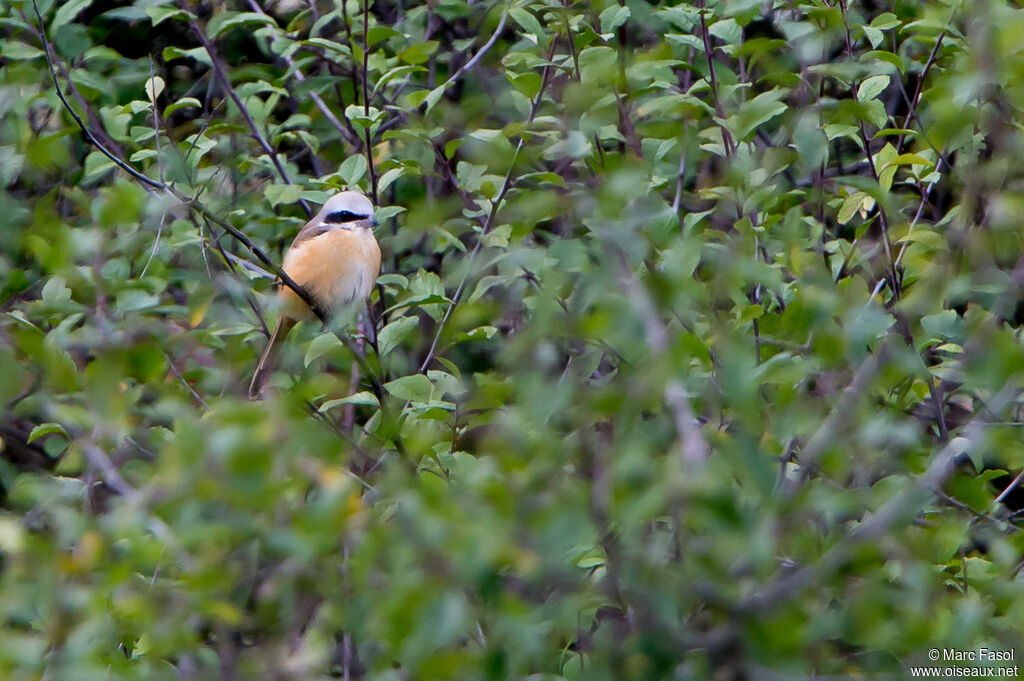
696	354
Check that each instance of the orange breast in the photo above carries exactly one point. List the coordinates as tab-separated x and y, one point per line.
338	268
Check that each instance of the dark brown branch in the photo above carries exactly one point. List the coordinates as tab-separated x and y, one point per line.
221	75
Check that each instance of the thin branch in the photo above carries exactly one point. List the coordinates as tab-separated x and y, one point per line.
912	105
89	136
188	386
1009	488
486	226
346	133
894	283
472	60
368	139
913	223
221	75
705	36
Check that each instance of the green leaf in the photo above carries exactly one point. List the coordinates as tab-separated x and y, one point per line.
927	238
392	279
160	13
528	22
726	30
331	47
73	41
378	33
67	13
885	21
127	14
883	55
851	205
433	97
810	142
19	51
46	429
421	300
277	194
225	21
364	398
946	325
96	164
479	333
320	346
872	87
419	52
414	388
756	112
183	103
352	169
497	237
153	87
913	159
395	332
134	300
873	35
613	17
389	176
197	53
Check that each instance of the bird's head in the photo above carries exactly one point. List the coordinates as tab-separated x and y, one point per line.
348	210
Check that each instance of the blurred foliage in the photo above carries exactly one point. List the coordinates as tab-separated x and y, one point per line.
698	343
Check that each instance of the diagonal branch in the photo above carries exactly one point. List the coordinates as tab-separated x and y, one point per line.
346	133
452	79
841	414
488	222
221	75
89	136
898	508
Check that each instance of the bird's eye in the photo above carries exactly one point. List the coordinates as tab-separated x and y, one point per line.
342	216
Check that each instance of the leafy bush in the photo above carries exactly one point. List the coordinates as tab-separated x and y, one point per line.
697	349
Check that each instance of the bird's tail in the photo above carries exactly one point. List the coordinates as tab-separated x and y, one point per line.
268	361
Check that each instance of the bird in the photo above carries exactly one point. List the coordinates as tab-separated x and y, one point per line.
336	259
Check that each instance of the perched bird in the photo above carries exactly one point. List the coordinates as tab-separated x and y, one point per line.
336	259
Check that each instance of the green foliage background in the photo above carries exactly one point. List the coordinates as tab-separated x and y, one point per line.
699	348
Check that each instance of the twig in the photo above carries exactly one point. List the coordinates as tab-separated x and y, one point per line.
156	244
367	137
472	60
90	112
221	75
1009	488
113	479
486	226
346	133
912	104
727	141
188	386
89	136
910	229
897	288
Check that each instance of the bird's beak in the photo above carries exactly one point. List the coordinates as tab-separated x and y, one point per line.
373	221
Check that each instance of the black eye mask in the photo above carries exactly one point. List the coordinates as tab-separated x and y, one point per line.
341	216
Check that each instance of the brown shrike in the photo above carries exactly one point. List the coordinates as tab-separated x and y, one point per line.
336	259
